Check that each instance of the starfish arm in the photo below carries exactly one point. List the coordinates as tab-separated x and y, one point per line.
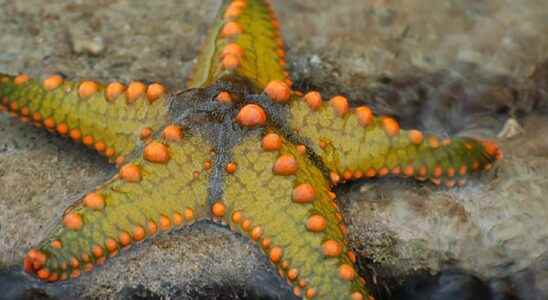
281	200
164	189
109	118
244	41
353	143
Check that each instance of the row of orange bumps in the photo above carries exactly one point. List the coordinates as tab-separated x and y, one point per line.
232	53
391	127
155	152
86	89
287	165
35	260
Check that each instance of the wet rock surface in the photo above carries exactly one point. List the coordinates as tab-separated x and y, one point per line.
451	67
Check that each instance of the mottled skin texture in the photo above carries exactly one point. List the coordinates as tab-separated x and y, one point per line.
260	158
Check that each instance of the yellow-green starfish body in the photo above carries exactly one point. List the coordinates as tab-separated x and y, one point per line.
237	147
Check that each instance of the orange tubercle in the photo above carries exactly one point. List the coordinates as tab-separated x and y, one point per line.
34	260
231	62
52	82
438	171
114	90
173	133
109	152
415	137
266	243
423	171
463	170
450	172
56	244
276	254
292	274
313	99
188	214
232	49
310	293
124	238
21	79
111	245
165	223
218	209
62	128
152	227
278	91
271	142
304	193
335	177
357	296
25	111
207	164
434	142
352	256
492	149
74	263
100	146
256	233
251	115
37	117
97	251
346	272
94	201
73	221
383	171
231	29
347	175
156	152
246	225
224	97
231	168
13	106
391	126
234	10
87	140
43	273
316	223
145	133
340	105
285	165
331	248
409	171
236	217
49	123
130	173
134	91
364	115
178	218
155	91
87	89
138	233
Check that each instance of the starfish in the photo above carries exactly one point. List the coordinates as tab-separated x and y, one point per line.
238	147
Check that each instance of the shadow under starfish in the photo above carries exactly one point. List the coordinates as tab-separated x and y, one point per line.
237	147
